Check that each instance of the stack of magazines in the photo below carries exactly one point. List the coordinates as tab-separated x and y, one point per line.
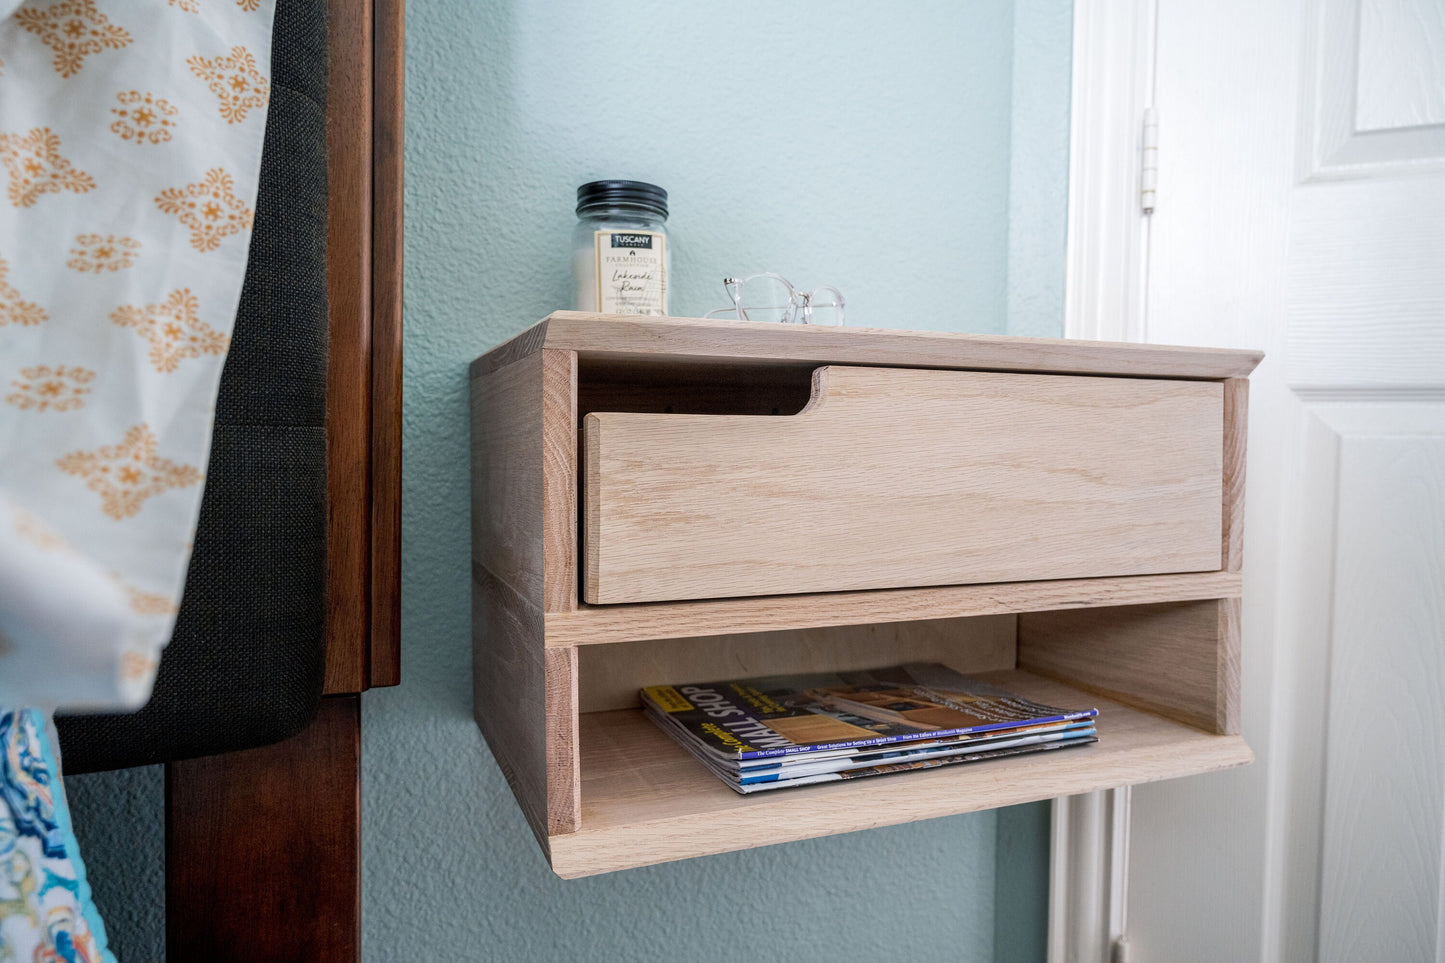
781	731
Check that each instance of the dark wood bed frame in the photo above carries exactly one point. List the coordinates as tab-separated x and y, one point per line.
263	847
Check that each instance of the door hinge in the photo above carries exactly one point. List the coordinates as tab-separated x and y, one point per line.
1119	952
1149	160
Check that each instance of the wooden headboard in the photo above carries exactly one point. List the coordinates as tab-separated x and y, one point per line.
263	847
364	261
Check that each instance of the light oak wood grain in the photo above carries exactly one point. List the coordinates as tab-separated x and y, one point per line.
510	666
513	349
594	624
896	477
559	480
564	783
1228	706
509	693
644	800
619	337
1178	659
507	475
1236	436
612	674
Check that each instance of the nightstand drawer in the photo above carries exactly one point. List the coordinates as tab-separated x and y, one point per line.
895	477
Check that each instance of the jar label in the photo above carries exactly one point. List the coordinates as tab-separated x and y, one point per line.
631	272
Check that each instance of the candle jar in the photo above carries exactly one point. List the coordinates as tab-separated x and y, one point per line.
619	248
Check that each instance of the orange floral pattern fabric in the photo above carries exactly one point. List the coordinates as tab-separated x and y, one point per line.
173	329
74	29
210	208
194	6
149	603
118	286
130	150
235	80
127	194
130	146
43	388
14	309
143	118
36	167
135	665
127	474
102	252
37	533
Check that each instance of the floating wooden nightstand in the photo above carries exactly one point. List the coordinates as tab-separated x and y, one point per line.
662	500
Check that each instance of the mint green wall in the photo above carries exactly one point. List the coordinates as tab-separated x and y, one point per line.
913	154
119	821
859	144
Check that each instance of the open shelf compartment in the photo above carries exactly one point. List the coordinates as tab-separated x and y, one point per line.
645	800
1163	679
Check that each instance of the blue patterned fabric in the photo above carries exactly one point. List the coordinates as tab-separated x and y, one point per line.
46	915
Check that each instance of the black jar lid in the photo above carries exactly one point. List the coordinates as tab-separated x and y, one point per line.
602	195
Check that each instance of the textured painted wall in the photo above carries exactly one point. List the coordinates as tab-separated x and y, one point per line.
119	820
1021	884
905	153
1039	166
831	142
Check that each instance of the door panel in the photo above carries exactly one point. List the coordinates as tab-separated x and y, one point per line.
1384	782
1373	94
1323	242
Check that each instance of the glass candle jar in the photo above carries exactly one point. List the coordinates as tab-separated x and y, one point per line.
619	249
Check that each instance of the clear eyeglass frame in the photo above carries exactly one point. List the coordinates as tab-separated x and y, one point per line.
772	297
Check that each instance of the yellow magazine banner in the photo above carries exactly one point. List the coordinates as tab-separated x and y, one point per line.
667	698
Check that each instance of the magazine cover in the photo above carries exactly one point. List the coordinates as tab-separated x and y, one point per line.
787	715
1007	748
910	752
902	760
833	760
782	772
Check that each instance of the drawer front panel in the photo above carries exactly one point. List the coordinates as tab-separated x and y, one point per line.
896	477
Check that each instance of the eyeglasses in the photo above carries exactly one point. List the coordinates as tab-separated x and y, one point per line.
772	297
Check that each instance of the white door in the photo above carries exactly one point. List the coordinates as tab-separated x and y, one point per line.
1301	210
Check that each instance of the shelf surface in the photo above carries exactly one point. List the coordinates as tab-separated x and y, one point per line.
668	620
682	339
645	800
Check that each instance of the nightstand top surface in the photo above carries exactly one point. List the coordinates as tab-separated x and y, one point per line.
684	340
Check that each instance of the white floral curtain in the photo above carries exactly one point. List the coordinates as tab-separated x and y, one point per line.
130	147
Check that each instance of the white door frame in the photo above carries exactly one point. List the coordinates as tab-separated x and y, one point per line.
1104	299
1108	234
